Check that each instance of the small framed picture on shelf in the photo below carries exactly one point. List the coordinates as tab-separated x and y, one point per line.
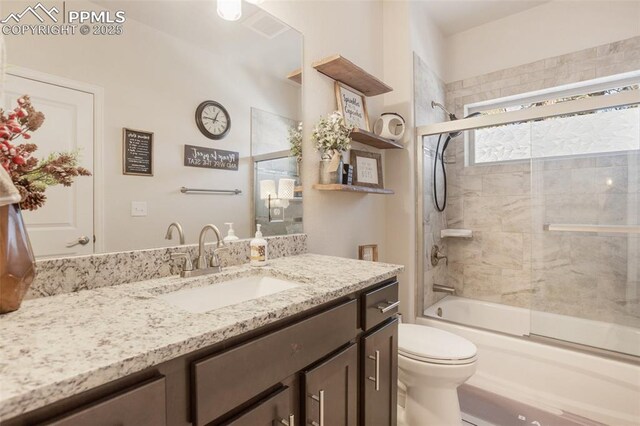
353	106
367	169
368	252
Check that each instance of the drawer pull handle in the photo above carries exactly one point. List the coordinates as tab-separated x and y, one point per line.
390	305
291	422
376	379
320	400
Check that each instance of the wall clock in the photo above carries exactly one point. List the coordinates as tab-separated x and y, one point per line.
213	120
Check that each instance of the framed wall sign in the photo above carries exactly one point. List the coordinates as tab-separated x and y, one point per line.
368	252
352	104
210	158
367	169
137	152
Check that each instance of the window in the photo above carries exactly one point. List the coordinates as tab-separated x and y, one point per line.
606	130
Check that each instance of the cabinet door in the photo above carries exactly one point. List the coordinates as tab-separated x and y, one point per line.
274	410
380	376
331	394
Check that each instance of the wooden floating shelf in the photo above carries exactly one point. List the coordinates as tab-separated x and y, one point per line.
371	139
345	71
352	188
295	76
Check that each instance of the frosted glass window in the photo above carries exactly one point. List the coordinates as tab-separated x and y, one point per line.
599	132
608	130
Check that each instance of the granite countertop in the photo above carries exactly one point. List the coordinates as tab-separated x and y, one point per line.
59	346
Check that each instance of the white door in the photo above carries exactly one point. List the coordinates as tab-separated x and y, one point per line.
67	215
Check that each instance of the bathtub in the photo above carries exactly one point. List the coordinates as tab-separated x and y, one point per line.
546	376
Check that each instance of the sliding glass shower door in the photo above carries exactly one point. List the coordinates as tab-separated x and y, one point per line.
586	229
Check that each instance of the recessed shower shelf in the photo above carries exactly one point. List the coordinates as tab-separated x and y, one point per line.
456	233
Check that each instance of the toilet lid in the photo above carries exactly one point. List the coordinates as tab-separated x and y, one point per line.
428	343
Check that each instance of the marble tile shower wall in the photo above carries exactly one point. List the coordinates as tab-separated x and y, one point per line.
427	87
71	274
510	259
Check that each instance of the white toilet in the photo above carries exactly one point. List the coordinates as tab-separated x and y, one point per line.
432	363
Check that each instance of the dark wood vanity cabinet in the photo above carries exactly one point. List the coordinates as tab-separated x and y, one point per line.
334	365
379	376
331	390
379	356
141	405
276	409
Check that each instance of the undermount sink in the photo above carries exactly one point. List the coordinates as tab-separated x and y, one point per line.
218	295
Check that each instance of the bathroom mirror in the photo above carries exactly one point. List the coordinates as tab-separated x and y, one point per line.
277	157
126	84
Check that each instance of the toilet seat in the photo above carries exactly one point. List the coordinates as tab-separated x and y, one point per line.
434	346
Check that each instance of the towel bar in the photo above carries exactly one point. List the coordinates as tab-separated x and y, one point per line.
186	190
616	229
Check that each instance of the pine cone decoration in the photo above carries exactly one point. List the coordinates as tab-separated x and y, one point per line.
31	200
34	121
29	174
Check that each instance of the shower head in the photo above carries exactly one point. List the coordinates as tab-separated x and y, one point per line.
451	115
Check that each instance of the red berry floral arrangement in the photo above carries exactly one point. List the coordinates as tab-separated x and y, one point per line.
30	175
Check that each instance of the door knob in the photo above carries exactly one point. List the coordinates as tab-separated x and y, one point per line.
83	241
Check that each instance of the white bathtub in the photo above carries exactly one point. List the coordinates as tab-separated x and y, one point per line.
548	377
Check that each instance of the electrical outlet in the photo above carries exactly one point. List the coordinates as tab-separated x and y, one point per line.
138	208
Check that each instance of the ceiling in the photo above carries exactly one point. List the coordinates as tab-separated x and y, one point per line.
454	16
197	23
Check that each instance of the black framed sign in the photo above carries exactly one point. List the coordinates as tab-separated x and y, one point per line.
137	152
210	158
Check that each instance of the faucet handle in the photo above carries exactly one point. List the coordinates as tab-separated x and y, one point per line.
215	258
187	265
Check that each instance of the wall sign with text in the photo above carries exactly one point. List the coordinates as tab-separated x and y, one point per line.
210	158
353	106
367	169
137	152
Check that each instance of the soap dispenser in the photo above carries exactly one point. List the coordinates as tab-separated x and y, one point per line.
231	234
258	249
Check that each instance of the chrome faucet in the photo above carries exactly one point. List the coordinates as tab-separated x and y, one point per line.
169	234
438	288
202	265
201	262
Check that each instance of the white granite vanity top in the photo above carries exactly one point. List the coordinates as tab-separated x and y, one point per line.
59	346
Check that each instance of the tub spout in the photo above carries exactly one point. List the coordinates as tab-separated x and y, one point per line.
444	289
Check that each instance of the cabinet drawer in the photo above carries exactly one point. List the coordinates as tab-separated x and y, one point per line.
379	304
226	380
143	405
273	410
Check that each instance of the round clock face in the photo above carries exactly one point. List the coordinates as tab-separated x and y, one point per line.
213	120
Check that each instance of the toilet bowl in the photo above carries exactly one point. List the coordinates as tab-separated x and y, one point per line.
432	363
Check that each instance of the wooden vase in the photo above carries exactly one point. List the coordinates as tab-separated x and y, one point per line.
17	262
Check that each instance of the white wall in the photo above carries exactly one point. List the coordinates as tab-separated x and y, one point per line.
336	222
153	81
407	29
552	29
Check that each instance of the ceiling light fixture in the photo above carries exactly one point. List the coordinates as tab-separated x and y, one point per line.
230	10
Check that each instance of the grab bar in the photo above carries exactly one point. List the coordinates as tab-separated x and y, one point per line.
186	190
612	229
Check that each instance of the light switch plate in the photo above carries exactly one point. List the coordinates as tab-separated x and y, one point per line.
138	208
